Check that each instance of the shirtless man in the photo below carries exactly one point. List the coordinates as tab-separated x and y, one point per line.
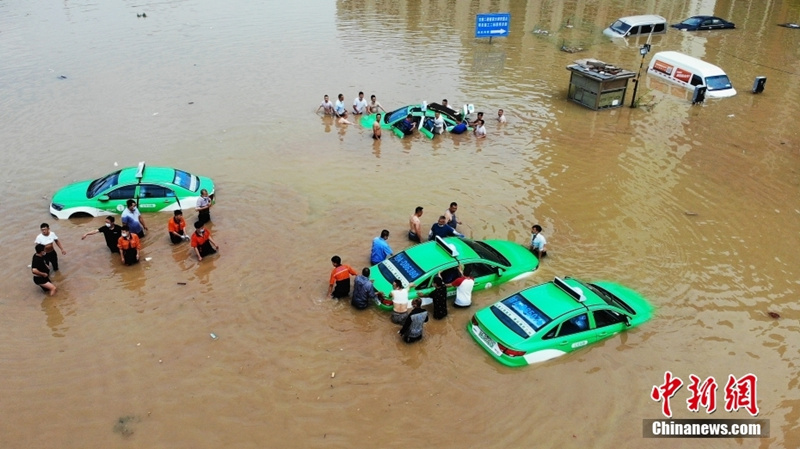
343	119
376	126
501	116
374	106
414	225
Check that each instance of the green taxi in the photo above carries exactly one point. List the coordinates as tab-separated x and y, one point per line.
555	318
489	262
155	188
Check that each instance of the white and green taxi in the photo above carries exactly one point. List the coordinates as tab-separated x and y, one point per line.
156	189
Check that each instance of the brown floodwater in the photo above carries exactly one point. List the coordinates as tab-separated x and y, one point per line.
697	207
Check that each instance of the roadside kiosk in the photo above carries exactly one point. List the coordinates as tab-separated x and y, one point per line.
597	85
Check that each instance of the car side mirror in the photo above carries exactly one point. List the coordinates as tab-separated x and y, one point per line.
103	198
499	271
627	320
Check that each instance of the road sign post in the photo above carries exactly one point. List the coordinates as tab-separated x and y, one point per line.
492	25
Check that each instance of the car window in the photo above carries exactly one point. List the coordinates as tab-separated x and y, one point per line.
100	185
574	325
718	82
396	115
660	27
154	191
122	193
646	29
423	284
696	81
634	31
620	27
451	274
603	318
477	270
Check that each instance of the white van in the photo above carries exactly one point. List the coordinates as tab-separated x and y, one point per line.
637	26
690	72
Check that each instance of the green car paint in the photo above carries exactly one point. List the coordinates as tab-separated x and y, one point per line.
419	112
555	318
155	188
489	262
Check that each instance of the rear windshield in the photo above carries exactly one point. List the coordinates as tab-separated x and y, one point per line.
407	268
520	308
620	27
719	82
487	252
186	180
102	184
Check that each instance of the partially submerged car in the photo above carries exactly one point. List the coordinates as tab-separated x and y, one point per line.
489	262
701	23
552	319
422	116
155	188
633	26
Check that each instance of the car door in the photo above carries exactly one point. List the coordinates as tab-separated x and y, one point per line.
573	333
114	200
153	197
608	322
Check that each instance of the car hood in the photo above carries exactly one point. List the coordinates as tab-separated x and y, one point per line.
71	193
644	310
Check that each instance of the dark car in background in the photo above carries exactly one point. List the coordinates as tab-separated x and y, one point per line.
700	23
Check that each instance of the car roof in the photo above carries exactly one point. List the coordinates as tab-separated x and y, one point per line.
430	255
554	300
645	18
151	174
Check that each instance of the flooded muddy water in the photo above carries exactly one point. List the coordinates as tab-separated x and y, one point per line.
697	207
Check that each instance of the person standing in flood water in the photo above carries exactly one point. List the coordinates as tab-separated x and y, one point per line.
450	215
129	246
339	285
326	106
132	218
538	242
202	241
177	227
110	231
439	297
41	273
376	127
48	239
415	226
203	207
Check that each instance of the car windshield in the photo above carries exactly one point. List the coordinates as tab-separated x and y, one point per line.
719	82
400	264
520	316
102	184
396	115
692	21
609	298
487	252
186	180
620	27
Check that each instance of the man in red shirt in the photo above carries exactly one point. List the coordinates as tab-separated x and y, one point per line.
202	241
340	277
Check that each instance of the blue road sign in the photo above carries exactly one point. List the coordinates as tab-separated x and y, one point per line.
492	25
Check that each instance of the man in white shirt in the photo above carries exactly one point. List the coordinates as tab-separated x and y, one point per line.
480	130
359	104
463	285
501	117
326	106
48	239
438	123
538	242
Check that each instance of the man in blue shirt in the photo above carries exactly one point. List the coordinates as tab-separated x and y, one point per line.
442	229
133	218
380	249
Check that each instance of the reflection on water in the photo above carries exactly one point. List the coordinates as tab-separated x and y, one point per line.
694	206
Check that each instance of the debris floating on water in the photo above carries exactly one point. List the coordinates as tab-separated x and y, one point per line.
333	374
775	315
181	283
690	213
213	336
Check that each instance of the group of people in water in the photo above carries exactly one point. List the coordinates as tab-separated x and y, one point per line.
125	240
410	314
435	125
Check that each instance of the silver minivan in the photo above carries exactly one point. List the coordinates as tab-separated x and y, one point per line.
633	26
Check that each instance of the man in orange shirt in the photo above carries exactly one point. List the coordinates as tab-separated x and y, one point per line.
340	278
202	241
128	246
176	227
